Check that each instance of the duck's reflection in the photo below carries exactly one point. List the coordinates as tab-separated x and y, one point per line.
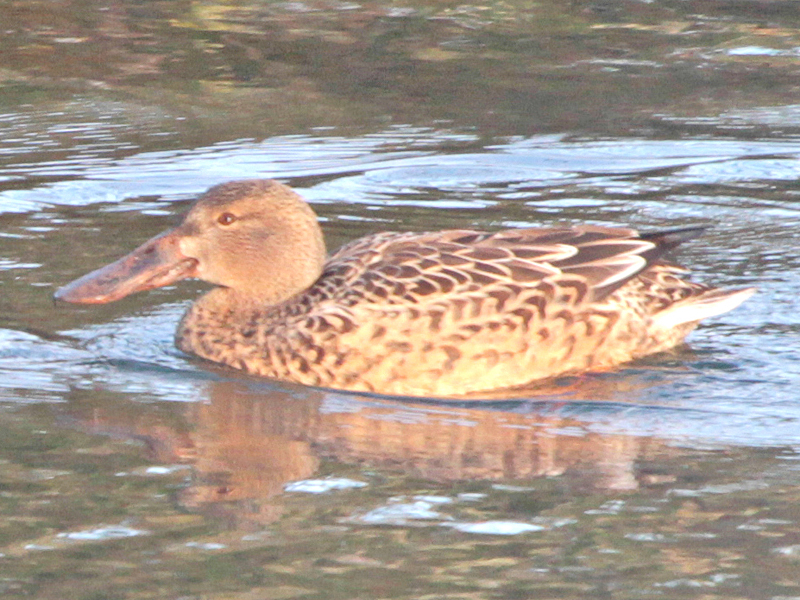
249	443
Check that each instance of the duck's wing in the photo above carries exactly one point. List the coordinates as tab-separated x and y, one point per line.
574	264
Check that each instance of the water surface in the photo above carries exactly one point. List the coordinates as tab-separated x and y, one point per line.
129	470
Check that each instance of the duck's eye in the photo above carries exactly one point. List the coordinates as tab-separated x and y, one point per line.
226	218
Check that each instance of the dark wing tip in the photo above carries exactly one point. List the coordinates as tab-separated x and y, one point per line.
667	239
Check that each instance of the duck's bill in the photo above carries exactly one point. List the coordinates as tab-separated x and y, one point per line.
155	263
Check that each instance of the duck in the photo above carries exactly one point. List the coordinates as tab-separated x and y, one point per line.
437	314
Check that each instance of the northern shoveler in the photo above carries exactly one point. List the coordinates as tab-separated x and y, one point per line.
443	313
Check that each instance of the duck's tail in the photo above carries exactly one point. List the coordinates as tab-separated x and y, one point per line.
710	303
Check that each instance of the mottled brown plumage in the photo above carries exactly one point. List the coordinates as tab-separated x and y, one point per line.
436	314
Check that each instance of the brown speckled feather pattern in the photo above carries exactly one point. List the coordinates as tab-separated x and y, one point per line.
459	312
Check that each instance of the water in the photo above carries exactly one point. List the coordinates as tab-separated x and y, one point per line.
129	470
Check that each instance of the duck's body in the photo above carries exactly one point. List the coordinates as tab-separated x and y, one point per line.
434	314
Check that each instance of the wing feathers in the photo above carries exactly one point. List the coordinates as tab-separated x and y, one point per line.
408	267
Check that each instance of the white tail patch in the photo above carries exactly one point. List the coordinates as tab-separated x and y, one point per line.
709	304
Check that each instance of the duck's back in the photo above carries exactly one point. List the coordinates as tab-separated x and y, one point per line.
455	312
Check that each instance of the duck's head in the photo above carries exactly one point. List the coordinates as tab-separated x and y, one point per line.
257	238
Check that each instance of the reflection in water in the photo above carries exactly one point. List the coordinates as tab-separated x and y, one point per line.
247	444
586	507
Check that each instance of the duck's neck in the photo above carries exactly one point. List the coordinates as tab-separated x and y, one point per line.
221	319
227	300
